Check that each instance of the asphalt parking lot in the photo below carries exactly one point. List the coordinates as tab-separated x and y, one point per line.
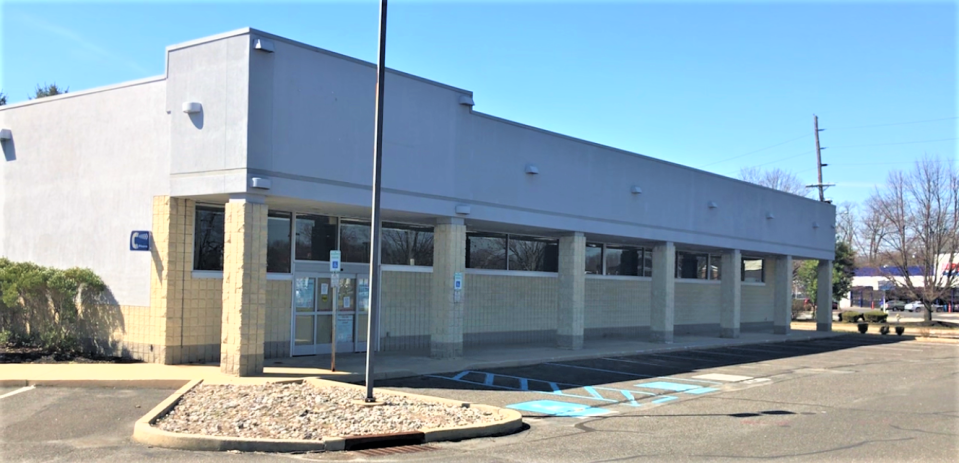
848	398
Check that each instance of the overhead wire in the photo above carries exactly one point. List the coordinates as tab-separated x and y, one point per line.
754	152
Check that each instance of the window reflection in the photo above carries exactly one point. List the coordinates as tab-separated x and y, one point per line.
278	242
355	241
208	238
407	245
594	259
533	254
315	236
486	251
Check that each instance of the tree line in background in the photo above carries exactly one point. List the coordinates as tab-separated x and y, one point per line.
908	229
41	91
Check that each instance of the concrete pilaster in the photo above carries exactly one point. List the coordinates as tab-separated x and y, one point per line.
824	296
243	330
782	279
662	309
730	294
446	314
572	291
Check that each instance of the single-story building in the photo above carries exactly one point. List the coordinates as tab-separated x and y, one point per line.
250	160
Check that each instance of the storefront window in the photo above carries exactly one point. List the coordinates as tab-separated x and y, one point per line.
715	267
594	259
315	236
753	271
407	245
486	251
624	260
691	266
647	262
208	239
278	242
355	241
533	254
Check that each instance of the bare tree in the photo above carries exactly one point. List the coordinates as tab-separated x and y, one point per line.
846	225
872	231
776	179
920	213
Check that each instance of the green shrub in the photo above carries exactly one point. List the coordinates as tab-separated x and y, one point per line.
875	316
44	306
850	316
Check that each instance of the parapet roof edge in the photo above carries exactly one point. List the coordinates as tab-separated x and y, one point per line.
630	153
89	91
264	34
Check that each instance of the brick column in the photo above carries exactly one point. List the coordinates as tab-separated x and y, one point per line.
824	296
782	281
446	314
730	294
172	233
244	286
662	309
572	291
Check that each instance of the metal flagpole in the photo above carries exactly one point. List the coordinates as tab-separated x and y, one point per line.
373	319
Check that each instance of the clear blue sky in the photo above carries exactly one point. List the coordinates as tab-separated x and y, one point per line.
693	83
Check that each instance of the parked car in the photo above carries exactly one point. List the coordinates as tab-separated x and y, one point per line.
914	307
894	306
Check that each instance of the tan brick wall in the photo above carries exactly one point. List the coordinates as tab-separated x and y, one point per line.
509	309
697	303
614	303
758	300
404	319
279	294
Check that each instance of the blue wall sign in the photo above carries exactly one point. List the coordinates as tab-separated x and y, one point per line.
140	240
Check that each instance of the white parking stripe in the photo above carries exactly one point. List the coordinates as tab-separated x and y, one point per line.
723	377
22	389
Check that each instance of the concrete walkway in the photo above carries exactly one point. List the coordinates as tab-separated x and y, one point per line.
351	367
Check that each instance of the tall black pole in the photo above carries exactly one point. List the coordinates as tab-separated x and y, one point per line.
815	125
372	335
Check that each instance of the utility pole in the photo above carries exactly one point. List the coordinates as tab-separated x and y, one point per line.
815	124
819	165
372	337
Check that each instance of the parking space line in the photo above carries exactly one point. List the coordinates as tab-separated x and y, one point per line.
678	357
756	350
634	361
726	354
626	373
13	393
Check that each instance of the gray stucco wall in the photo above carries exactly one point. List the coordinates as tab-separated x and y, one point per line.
311	130
79	175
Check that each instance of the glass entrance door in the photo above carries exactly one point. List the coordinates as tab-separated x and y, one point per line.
315	320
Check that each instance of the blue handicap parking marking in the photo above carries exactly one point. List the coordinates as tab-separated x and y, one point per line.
555	408
665	398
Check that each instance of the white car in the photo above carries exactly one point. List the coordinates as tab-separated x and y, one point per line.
914	307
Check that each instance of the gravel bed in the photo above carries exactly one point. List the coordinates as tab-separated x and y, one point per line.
304	411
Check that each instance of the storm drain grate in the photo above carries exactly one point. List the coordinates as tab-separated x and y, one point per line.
403	449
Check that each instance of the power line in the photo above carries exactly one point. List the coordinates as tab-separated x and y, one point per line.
895	143
754	152
779	160
894	123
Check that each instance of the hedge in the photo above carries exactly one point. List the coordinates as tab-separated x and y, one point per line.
47	307
850	316
875	316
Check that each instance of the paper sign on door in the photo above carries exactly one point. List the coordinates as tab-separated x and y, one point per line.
324	289
346	302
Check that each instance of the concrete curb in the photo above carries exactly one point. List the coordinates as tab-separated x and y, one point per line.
145	433
114	383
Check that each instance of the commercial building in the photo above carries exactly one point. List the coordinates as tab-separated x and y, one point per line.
251	159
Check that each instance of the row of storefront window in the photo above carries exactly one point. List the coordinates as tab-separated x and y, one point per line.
316	235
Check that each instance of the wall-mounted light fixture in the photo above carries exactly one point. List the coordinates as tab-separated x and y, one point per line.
462	209
770	216
6	134
636	190
712	204
531	169
466	100
192	107
815	224
261	183
264	45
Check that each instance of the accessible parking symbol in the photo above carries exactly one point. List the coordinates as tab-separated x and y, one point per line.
556	408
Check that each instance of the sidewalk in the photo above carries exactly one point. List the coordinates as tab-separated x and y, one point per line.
351	367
